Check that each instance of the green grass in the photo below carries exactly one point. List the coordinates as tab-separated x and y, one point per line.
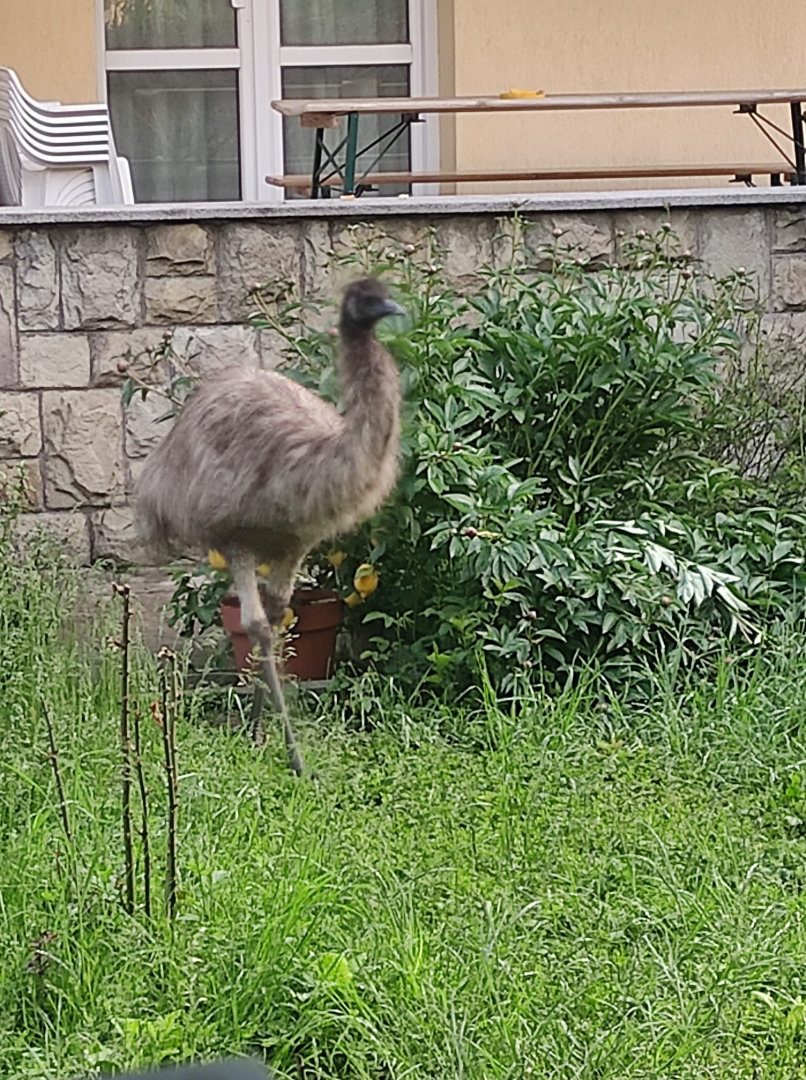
560	889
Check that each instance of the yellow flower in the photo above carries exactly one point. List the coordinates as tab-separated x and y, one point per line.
288	618
217	560
354	599
264	569
336	558
366	580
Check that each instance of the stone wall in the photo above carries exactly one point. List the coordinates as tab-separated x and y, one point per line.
78	290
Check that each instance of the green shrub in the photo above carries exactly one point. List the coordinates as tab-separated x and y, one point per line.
556	506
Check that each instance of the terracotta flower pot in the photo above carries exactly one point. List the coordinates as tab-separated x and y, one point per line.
319	614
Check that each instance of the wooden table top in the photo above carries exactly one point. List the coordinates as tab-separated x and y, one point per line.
306	108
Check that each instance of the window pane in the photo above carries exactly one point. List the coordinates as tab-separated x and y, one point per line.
387	80
344	22
179	130
169	24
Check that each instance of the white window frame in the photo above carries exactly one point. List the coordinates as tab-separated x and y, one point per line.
260	58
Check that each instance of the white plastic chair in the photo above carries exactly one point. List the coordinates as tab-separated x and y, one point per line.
57	155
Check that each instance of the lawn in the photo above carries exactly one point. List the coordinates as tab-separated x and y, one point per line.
547	889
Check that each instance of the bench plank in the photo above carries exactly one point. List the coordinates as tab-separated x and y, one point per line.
605	172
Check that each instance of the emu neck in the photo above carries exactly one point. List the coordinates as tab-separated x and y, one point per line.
370	392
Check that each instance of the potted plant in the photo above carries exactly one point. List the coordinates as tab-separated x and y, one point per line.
311	624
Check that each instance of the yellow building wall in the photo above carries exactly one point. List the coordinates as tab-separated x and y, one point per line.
599	46
560	46
51	46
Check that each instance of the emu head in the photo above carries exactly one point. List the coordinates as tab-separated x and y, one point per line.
364	303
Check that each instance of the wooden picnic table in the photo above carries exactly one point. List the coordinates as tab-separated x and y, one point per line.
342	162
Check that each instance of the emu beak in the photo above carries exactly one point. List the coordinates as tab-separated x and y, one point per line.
391	308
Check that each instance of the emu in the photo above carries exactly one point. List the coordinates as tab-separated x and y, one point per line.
264	470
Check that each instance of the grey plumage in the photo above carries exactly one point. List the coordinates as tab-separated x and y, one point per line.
264	470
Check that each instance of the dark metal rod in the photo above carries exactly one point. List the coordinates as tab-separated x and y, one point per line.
757	120
797	135
316	175
352	147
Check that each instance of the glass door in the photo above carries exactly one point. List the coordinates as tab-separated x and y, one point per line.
348	49
190	85
173	85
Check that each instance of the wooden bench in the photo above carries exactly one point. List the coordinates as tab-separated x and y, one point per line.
738	173
339	167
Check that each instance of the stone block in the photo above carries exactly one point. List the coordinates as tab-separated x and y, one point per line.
317	254
70	531
683	232
99	278
21	478
573	236
273	348
789	229
249	254
179	250
732	240
9	370
180	300
509	242
143	432
785	328
114	535
210	348
51	360
468	248
109	348
37	281
151	592
783	338
359	246
83	443
789	283
6	246
20	430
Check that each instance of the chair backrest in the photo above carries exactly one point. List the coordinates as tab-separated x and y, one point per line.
57	155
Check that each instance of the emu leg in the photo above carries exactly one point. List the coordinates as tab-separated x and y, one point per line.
272	680
258	627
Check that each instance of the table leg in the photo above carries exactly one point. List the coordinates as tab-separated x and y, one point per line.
316	174
797	134
351	154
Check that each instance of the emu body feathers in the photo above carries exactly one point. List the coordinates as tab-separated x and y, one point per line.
263	469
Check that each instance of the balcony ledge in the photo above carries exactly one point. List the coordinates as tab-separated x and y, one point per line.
437	206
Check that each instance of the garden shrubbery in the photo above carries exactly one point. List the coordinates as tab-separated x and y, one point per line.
571	491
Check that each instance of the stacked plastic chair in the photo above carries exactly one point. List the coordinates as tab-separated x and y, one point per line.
57	155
